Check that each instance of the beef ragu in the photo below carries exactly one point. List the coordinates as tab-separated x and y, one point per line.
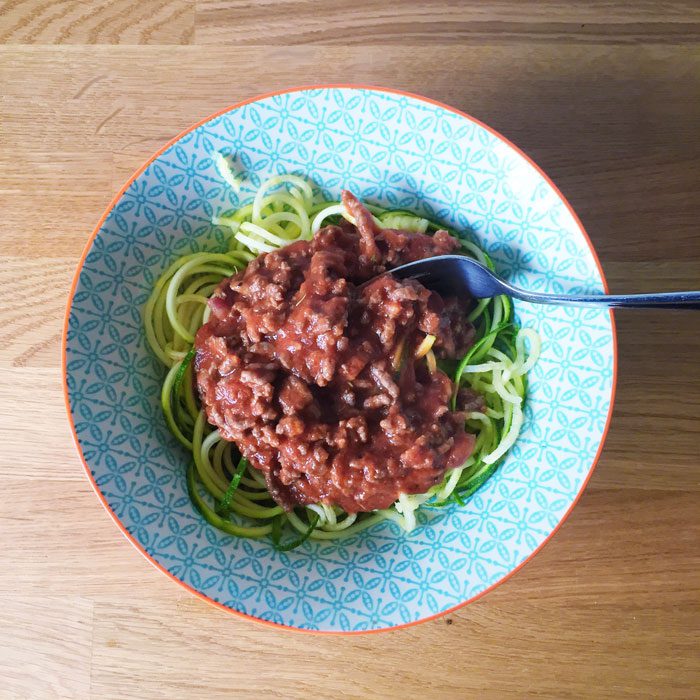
307	364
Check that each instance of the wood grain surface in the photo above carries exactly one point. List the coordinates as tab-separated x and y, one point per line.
605	96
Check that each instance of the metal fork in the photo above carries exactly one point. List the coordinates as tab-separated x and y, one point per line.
457	275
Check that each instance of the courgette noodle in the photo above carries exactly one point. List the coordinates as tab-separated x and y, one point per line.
227	490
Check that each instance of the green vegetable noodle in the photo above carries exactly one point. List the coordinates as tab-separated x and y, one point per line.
223	486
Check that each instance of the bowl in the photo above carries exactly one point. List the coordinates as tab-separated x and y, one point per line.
390	148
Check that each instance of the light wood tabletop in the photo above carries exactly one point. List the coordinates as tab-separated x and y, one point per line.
605	98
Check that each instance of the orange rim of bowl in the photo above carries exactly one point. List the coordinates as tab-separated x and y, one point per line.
113	203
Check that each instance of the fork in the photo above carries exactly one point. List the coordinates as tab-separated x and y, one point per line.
457	275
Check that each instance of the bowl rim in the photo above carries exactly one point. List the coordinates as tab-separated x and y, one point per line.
115	200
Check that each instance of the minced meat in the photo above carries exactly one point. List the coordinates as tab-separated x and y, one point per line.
307	364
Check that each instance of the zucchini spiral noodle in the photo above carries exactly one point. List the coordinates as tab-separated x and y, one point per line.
224	487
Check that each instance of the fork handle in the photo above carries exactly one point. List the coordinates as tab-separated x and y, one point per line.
665	300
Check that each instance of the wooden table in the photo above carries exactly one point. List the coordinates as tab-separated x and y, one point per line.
606	99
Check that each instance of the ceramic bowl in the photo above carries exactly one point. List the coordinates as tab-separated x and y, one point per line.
392	149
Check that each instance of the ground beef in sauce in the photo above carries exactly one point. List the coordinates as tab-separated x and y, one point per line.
307	365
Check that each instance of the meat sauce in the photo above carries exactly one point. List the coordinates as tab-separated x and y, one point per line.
307	364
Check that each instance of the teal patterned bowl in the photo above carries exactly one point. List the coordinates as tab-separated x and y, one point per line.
392	149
